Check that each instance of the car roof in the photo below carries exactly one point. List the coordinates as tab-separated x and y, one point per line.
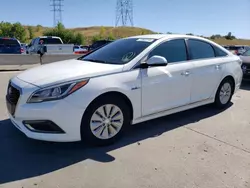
7	38
166	36
49	37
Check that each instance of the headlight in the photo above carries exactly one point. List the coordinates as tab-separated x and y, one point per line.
56	92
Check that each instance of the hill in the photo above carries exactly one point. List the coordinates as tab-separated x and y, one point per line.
118	32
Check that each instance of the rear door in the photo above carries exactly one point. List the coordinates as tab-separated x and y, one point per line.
208	69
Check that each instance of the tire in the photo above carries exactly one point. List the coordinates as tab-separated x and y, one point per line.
224	93
98	137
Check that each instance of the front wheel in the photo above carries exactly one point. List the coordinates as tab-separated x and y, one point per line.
105	121
224	94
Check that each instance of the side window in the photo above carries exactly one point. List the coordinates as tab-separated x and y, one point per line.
200	50
246	53
173	50
44	40
219	52
54	41
35	41
32	42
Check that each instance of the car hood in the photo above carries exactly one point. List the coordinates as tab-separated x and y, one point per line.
67	70
245	59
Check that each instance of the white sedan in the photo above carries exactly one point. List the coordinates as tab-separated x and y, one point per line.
131	80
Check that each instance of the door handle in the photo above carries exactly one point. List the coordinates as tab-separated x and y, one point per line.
185	73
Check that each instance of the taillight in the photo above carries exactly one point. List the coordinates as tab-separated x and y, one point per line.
22	50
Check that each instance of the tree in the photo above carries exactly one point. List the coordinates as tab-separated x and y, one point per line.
67	36
96	38
229	36
103	31
5	28
31	32
217	36
111	36
18	31
15	30
79	39
38	28
60	26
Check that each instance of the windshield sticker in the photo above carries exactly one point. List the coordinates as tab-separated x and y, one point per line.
127	57
145	40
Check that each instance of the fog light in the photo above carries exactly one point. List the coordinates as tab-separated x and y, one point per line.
43	126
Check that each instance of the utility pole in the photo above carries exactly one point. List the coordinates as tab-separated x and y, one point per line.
124	12
57	11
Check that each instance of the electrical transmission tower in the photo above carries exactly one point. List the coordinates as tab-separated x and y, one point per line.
57	10
124	12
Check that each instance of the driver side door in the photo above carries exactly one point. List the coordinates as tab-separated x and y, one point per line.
167	87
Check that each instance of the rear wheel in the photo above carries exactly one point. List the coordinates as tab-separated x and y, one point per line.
105	121
224	93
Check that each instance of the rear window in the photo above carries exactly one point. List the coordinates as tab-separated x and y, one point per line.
9	42
234	47
51	41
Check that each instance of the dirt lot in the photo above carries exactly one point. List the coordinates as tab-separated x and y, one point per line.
201	148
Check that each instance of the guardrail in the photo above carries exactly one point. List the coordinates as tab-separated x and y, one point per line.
6	59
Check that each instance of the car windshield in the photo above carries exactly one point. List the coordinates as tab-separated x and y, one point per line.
119	52
246	53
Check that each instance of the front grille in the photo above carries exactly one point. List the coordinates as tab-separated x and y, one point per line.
12	98
13	94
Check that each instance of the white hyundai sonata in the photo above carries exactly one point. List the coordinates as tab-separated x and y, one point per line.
131	80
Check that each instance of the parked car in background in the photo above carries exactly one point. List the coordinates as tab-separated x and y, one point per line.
80	49
245	57
98	44
131	80
237	49
52	44
10	46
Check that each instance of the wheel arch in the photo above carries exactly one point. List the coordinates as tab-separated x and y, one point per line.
231	78
219	83
114	94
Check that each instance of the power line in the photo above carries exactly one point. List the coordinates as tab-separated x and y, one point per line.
57	10
124	12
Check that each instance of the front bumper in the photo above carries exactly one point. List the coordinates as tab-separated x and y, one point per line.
65	115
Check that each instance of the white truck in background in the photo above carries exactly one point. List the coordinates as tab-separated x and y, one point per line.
52	45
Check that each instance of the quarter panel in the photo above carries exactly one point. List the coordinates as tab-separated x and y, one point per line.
231	68
207	77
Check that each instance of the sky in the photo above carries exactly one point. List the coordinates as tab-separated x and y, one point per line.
201	17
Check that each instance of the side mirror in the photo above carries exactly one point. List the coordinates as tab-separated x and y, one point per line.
155	61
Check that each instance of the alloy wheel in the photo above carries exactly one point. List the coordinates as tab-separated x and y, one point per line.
106	121
225	93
